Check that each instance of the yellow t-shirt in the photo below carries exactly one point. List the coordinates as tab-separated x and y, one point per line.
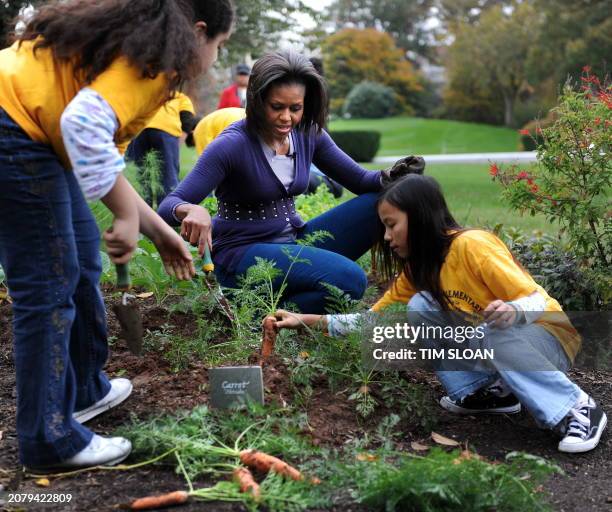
479	269
35	89
168	117
209	128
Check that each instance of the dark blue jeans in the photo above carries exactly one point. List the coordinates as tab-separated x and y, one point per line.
49	249
353	224
167	148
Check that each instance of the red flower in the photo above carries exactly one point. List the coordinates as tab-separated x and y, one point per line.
586	69
493	170
524	132
534	188
597	121
522	175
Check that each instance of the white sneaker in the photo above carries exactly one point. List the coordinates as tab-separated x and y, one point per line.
119	391
583	426
101	451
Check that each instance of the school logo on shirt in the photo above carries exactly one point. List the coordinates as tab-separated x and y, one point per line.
460	296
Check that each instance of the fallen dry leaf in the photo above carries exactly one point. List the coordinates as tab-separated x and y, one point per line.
304	355
445	441
366	457
419	447
43	482
144	295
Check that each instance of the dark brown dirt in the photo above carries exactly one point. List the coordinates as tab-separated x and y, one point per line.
332	418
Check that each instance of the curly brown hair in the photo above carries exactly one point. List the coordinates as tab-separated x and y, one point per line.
156	36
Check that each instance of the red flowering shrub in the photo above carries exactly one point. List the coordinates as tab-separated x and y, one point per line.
572	180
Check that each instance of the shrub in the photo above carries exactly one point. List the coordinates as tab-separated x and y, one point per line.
555	267
532	135
360	145
370	100
571	182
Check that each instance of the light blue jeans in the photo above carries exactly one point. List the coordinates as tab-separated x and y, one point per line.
547	394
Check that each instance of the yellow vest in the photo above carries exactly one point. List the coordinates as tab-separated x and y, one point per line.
168	117
479	269
211	126
35	90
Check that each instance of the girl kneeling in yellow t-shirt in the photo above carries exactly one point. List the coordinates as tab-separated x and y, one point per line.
81	81
446	273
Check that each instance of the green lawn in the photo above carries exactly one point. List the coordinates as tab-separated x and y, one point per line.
474	199
412	135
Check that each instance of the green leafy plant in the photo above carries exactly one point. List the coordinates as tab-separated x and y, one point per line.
149	177
452	481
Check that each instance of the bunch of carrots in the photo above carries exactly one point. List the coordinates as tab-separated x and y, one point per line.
253	459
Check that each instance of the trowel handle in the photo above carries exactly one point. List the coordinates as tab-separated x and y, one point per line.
123	276
207	264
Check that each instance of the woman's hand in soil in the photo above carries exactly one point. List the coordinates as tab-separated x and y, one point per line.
289	320
500	314
195	226
176	257
121	239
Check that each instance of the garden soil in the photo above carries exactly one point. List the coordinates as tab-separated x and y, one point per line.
585	486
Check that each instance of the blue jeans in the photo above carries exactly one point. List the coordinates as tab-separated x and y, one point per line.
167	148
547	394
353	225
49	249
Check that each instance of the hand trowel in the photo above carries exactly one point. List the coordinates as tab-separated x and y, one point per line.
128	314
211	283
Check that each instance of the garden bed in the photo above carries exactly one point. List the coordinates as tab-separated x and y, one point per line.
332	419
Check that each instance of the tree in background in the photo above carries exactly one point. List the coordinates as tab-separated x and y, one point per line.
260	25
575	33
353	55
454	12
402	19
488	59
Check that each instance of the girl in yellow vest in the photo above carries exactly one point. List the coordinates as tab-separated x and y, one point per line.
83	79
448	273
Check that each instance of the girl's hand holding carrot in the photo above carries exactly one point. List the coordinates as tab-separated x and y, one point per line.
289	320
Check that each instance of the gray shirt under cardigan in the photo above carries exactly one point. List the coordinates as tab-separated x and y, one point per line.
235	165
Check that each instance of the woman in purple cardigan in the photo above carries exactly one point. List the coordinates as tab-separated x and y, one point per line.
257	166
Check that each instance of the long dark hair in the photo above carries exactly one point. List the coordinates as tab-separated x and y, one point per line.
286	68
157	36
431	229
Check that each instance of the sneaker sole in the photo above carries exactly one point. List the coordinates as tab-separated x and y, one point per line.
59	467
93	411
447	404
587	445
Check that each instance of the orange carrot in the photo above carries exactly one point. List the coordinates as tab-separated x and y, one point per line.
268	337
244	478
163	500
263	462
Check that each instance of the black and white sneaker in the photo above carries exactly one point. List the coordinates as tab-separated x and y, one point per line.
483	401
582	427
